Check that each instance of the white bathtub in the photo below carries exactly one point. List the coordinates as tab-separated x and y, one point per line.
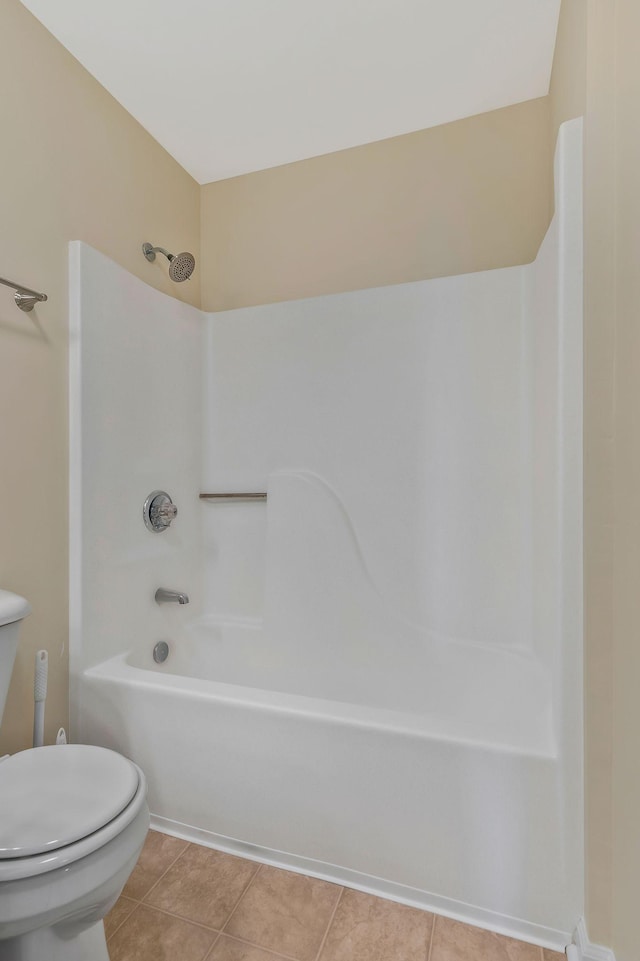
334	774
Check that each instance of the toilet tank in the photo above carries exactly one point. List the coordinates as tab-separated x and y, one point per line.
12	610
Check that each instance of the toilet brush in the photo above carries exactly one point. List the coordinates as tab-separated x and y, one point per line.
39	696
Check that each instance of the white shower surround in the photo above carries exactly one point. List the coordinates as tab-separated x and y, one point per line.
378	679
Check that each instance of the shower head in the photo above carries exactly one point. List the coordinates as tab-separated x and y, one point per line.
181	266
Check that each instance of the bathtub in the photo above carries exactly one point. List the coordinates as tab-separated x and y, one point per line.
340	775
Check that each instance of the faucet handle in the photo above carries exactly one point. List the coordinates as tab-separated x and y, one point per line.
158	511
163	512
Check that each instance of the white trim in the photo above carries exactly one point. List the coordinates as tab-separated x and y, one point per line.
586	950
479	917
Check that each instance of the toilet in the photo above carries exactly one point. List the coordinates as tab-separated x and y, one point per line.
73	819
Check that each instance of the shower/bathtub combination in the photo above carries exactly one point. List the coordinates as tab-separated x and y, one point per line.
377	678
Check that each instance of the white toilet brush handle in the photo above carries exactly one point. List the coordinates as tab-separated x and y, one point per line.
39	696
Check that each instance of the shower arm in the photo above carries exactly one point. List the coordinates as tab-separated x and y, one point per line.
150	252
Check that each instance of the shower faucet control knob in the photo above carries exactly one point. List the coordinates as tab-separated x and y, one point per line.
163	513
158	511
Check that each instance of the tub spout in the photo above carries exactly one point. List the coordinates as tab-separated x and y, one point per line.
166	597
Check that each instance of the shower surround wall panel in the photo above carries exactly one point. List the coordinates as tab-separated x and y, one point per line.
378	678
136	404
409	402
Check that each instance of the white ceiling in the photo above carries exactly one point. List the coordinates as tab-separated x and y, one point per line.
230	86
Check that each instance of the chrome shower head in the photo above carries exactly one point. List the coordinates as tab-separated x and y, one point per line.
181	266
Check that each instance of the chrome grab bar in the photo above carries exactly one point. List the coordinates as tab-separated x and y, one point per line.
24	297
233	496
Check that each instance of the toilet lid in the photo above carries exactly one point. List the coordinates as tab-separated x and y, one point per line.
53	796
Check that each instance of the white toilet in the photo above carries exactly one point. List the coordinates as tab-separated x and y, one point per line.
73	819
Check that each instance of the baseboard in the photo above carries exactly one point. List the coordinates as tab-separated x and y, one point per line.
585	950
479	917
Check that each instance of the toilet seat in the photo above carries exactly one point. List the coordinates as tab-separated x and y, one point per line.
60	803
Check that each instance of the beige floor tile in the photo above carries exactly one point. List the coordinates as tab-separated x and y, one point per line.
118	913
227	949
285	913
149	935
453	941
553	955
203	885
159	851
366	928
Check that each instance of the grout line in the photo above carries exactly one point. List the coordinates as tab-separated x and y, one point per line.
433	934
136	905
326	933
168	868
237	904
178	917
252	944
211	949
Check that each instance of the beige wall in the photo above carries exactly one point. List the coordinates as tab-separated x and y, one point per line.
626	429
597	50
465	196
74	165
612	472
567	91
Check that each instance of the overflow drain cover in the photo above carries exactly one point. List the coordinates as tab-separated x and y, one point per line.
161	652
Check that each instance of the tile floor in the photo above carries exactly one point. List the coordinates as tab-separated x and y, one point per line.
184	902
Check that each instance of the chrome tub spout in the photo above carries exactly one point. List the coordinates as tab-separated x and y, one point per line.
167	597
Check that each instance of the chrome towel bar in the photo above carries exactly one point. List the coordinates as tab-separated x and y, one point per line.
233	496
24	297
